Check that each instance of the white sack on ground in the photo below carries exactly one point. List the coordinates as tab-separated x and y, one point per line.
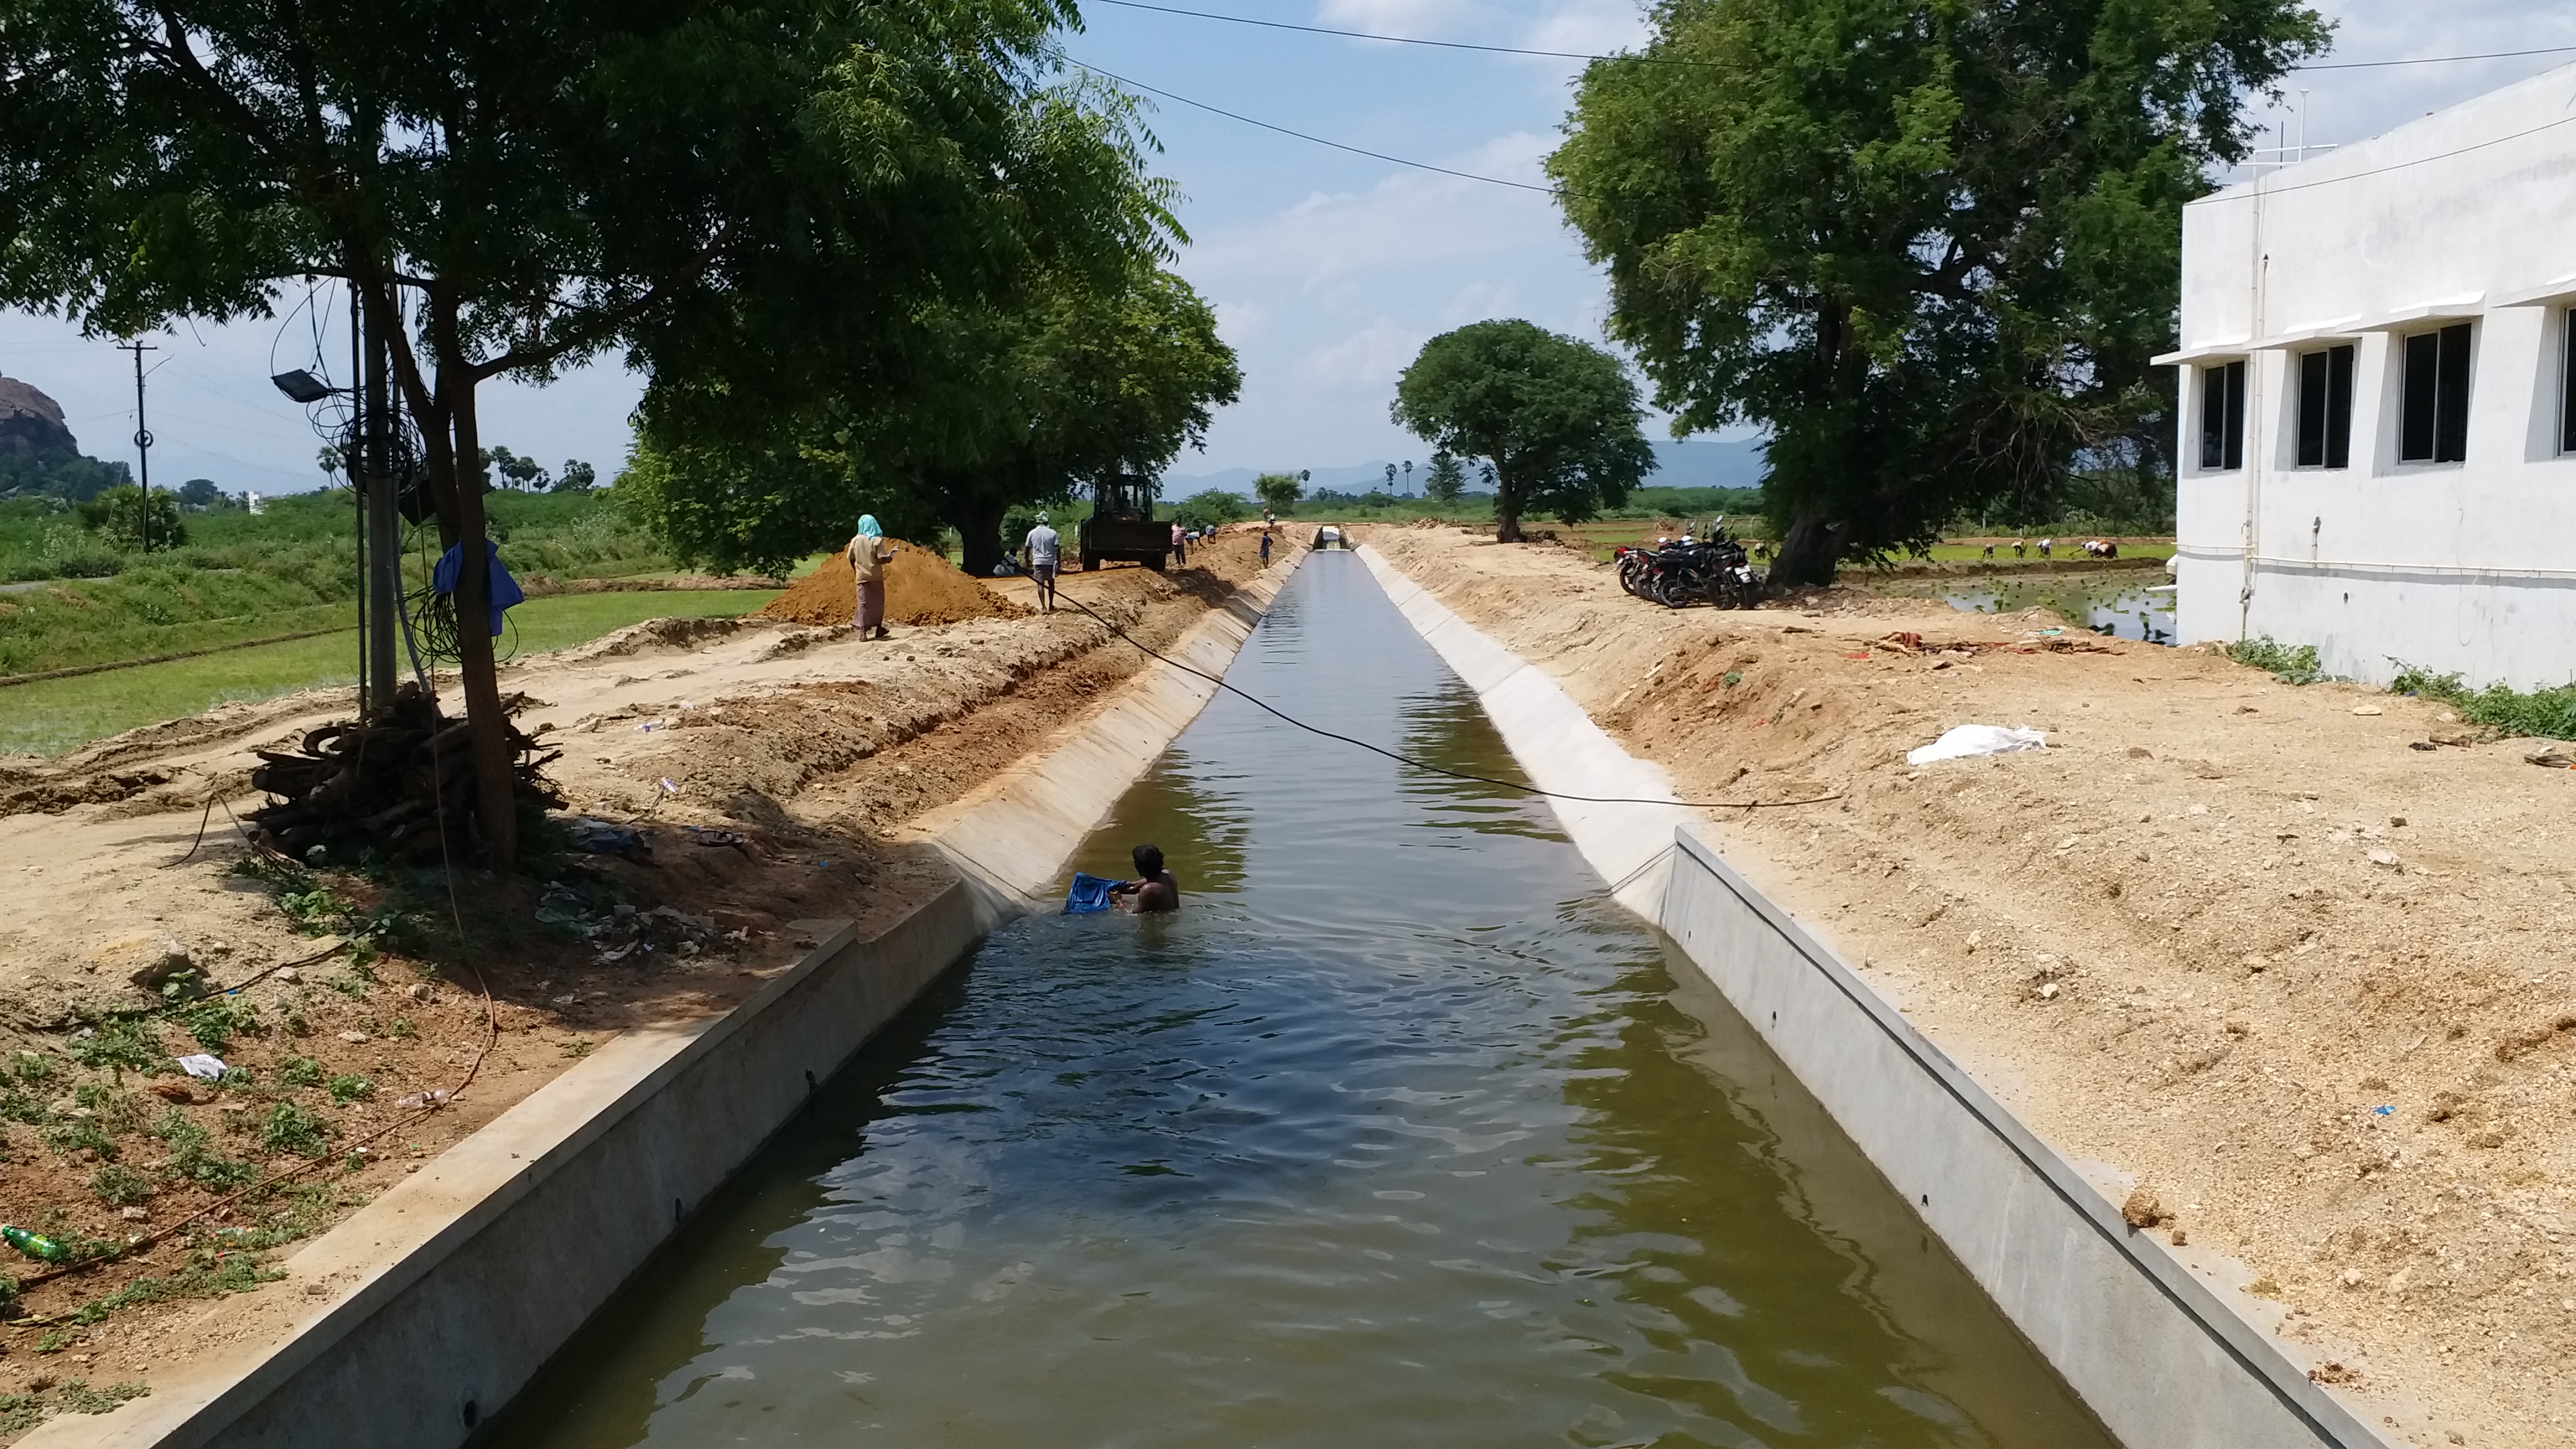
1969	740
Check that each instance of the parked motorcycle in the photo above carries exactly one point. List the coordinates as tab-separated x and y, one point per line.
1677	573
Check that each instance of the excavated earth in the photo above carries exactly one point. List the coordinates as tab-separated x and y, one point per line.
769	768
2285	966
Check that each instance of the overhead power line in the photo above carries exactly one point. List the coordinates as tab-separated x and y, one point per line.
1675	60
1319	140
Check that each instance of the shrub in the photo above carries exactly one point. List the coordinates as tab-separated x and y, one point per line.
352	1088
119	1186
299	1072
2288	665
2549	713
117	1043
191	1158
291	1129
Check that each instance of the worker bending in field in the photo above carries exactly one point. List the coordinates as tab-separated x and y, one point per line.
868	554
1044	548
1155	889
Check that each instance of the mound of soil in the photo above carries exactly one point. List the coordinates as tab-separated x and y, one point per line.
922	587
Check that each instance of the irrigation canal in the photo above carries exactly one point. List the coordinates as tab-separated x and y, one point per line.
1398	1134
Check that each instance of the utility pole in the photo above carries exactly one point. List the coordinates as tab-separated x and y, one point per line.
384	541
142	439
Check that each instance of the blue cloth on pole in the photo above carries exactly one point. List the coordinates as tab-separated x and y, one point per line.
1090	893
504	590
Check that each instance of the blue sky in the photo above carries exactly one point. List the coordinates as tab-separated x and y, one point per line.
1328	269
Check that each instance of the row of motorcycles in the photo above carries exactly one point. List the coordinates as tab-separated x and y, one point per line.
1679	572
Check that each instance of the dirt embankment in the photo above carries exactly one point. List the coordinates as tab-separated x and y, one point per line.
2270	953
766	768
922	587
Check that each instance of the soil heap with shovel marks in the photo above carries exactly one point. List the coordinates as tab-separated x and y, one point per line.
922	587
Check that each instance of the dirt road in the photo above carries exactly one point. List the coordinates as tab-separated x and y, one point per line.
769	767
2269	953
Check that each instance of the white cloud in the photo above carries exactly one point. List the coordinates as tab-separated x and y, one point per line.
1429	19
1240	323
1371	357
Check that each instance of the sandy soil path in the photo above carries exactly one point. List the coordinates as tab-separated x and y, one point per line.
809	748
2269	953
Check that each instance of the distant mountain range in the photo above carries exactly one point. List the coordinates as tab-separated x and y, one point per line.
1694	464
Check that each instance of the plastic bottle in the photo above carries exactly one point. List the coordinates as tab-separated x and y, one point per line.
35	1245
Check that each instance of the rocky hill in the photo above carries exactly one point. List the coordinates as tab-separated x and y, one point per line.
38	453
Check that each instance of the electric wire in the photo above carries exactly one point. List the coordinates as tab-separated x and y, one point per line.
1319	140
1677	60
1524	787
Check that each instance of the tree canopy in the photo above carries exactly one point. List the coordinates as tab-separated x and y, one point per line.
1002	406
1556	417
1929	247
1279	492
741	192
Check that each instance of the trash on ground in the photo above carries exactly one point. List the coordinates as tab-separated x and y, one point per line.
562	906
434	1098
2551	757
34	1244
1969	741
593	836
202	1067
2368	709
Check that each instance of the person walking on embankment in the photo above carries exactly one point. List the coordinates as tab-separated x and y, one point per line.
1044	548
868	553
1180	546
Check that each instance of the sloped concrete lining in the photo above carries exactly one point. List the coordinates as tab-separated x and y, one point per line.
2160	1357
425	1311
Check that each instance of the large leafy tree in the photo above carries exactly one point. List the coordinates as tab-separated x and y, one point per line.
1928	245
997	407
1555	417
512	188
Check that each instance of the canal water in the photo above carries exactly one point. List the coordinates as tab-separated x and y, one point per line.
1398	1134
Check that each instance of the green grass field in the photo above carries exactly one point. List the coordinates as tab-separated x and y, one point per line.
57	715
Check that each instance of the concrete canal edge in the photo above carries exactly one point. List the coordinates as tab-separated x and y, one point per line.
409	1324
2159	1356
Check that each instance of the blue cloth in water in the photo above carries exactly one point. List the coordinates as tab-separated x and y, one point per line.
1090	893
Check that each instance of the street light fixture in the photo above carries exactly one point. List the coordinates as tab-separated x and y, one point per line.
304	387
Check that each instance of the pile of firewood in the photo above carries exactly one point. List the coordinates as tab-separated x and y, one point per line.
401	784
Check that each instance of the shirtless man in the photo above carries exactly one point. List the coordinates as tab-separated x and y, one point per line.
1156	890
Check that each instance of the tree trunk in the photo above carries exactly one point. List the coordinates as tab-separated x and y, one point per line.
1808	554
1507	505
495	800
978	522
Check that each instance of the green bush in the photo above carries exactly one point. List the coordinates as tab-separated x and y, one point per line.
2286	664
2548	713
291	1129
119	1186
299	1072
117	1043
192	1159
352	1088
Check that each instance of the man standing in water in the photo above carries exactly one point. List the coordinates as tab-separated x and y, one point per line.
1043	549
1156	890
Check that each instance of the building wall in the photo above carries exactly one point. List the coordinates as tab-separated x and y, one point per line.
2468	215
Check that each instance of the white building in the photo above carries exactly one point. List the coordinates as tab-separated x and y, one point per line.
2379	399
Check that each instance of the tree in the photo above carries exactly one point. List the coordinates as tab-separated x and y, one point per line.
201	493
1444	480
117	516
1279	491
1408	477
508	190
517	471
1208	508
1930	249
1557	418
576	477
1390	477
999	408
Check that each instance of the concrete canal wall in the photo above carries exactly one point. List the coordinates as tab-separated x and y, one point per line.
2160	1357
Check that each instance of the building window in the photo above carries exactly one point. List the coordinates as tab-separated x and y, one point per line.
2325	408
2222	417
2567	382
2433	424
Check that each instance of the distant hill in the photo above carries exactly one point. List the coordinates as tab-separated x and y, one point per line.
38	453
1697	463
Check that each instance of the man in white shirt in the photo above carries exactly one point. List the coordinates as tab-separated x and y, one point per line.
1043	547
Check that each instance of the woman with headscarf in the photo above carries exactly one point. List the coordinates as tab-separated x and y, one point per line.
868	554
